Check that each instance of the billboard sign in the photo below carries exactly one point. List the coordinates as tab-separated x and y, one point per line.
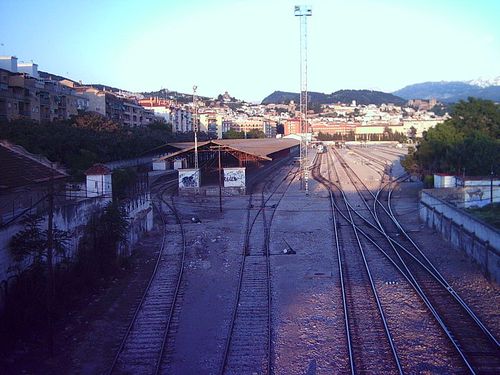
234	177
189	178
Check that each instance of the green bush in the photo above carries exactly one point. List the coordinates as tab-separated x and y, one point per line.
428	181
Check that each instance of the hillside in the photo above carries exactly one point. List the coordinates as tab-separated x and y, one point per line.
167	94
342	96
163	93
449	92
53	77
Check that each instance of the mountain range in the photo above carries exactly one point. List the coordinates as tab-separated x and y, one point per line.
343	96
443	91
451	92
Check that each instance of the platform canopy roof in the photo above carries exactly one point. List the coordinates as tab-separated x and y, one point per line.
259	148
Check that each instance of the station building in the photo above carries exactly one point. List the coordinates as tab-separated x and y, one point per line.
235	163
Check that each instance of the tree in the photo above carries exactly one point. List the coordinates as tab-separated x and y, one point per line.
255	133
325	137
98	251
233	134
387	135
412	133
468	140
29	245
86	139
122	180
409	163
477	114
95	121
315	107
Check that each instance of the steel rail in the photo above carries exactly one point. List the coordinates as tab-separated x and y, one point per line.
438	277
316	172
408	274
143	297
380	161
248	229
177	286
404	273
349	218
267	240
148	288
429	267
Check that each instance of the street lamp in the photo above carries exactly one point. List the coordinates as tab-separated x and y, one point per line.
195	128
303	11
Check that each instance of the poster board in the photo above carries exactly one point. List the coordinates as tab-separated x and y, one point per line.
234	177
189	178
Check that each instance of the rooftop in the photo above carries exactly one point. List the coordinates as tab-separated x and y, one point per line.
20	168
97	170
261	148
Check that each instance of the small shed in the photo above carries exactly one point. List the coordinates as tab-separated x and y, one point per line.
99	181
443	180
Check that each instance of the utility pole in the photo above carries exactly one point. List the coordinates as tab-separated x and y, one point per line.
303	11
220	183
50	268
195	127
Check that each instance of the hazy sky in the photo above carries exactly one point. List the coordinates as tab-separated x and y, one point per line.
251	47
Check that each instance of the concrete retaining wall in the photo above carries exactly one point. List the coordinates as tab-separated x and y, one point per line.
479	240
73	218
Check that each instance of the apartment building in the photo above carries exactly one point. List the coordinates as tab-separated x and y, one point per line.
123	110
24	96
291	126
213	123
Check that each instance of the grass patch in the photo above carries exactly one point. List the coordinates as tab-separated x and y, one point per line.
490	214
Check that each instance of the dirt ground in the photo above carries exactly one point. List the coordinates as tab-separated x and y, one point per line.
307	318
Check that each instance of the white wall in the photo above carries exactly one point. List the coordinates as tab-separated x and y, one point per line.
484	232
29	68
73	218
8	63
96	103
479	240
444	181
98	185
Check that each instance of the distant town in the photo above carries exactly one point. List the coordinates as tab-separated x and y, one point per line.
27	94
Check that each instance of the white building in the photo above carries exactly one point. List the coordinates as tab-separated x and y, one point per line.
98	181
28	68
8	63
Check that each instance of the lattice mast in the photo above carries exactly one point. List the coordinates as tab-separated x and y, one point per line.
303	11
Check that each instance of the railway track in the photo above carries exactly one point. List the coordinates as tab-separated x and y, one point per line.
476	345
477	348
374	161
389	151
248	347
368	338
145	346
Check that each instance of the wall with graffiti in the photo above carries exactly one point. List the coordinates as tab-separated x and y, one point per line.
234	177
189	178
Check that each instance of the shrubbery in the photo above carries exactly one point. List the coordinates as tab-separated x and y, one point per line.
88	139
97	260
467	143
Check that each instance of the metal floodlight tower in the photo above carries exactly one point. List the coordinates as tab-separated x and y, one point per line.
195	127
303	11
